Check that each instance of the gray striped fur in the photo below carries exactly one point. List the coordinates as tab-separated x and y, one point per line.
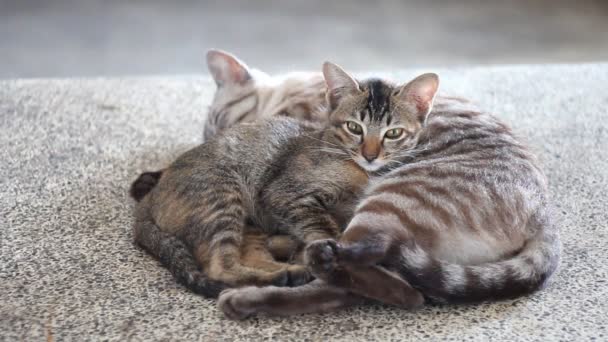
247	95
457	206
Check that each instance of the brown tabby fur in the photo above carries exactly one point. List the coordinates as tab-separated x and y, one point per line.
208	216
245	94
457	209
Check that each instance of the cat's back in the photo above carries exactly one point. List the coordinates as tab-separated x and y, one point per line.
468	173
462	141
298	95
467	150
245	150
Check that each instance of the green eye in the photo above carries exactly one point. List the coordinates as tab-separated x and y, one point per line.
394	133
354	127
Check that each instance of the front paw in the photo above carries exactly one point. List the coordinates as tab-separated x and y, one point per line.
321	257
237	304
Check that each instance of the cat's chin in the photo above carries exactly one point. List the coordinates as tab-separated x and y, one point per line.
369	167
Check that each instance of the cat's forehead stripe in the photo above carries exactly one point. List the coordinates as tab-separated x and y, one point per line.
378	100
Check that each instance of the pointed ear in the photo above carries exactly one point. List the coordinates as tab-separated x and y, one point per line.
226	69
339	83
420	93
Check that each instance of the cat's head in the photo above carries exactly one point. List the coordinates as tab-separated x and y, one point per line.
246	94
235	96
374	121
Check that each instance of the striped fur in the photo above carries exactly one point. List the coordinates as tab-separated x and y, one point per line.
209	218
246	95
174	254
257	95
470	204
457	206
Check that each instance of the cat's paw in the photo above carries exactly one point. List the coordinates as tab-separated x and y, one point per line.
238	304
299	275
321	257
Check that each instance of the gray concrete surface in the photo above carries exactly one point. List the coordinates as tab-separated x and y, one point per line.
66	38
69	270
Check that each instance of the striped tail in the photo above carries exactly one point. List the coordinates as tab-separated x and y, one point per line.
174	255
519	275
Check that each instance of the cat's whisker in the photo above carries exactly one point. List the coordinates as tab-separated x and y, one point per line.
321	141
331	151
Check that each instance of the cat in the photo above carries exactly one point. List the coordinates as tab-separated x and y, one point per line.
459	213
277	176
246	94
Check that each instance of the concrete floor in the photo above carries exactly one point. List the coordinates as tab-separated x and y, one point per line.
64	38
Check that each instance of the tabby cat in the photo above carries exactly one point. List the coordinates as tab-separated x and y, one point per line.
277	176
456	210
246	95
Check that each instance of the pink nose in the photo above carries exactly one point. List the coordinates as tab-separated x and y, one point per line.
370	149
370	157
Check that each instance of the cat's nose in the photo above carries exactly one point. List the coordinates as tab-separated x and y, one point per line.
370	149
370	157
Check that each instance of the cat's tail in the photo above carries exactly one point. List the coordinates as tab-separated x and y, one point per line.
144	184
174	255
521	274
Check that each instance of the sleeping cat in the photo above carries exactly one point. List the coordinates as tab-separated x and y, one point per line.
456	211
246	95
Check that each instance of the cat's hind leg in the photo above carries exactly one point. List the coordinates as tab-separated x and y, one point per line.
173	253
224	263
220	252
283	247
256	254
316	296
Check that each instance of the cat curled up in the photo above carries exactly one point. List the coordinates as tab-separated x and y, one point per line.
247	94
211	210
456	209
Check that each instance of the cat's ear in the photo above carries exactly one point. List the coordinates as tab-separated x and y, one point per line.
420	93
226	68
339	83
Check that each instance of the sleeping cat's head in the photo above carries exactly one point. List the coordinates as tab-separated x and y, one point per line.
245	94
374	121
235	96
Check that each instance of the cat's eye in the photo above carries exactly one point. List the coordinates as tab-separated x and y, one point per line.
354	127
394	133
